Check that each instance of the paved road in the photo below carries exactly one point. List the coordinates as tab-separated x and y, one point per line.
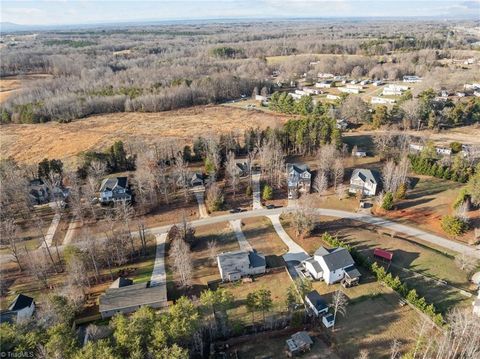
159	276
365	218
200	196
74	224
242	241
295	252
257	202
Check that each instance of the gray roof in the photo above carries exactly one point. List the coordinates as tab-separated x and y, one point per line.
366	175
131	296
297	167
352	272
314	264
317	301
21	301
302	338
338	258
110	183
7	316
121	282
231	261
321	251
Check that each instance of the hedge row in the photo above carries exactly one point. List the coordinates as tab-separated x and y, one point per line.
430	167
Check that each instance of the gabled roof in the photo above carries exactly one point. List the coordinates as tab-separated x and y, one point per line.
232	261
314	264
297	167
366	175
131	296
352	272
317	301
121	282
321	251
110	183
256	259
20	302
337	259
302	338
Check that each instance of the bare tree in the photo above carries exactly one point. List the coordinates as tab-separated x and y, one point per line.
181	171
338	172
395	349
232	171
341	191
182	262
339	305
212	251
465	262
9	238
320	184
384	143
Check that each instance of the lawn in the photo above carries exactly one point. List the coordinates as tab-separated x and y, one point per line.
426	260
262	237
277	283
204	269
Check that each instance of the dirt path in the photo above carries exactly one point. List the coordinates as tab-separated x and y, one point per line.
200	196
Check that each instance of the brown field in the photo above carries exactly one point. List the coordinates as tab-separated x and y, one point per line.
11	84
30	143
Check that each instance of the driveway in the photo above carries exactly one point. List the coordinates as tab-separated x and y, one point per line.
242	241
51	230
159	276
200	196
257	202
365	218
295	252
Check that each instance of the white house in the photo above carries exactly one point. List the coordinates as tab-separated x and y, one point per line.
238	264
324	84
316	303
359	153
365	181
331	265
349	90
444	151
412	79
311	91
295	96
302	93
114	189
364	82
260	98
20	310
389	91
382	100
416	147
332	97
378	83
323	75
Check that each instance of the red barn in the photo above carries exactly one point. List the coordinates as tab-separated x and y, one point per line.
381	253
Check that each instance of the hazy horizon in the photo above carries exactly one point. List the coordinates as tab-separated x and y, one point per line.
69	12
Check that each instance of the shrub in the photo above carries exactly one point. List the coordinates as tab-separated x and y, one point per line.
387	203
249	191
401	191
454	226
456	147
267	193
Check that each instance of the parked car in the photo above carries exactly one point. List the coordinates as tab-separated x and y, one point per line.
235	210
271	206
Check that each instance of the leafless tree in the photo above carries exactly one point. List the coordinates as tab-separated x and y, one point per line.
181	172
384	143
339	305
395	349
320	184
232	172
124	214
212	251
341	191
338	172
363	354
9	238
182	262
465	262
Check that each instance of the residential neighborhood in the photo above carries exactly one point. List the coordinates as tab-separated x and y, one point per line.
249	180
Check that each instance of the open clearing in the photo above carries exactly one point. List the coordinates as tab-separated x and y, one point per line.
30	143
10	84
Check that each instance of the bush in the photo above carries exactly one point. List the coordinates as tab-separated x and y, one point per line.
249	191
454	226
267	193
401	191
387	203
456	147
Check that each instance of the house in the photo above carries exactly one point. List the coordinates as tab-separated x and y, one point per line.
238	264
38	191
302	93
125	297
114	189
378	83
339	78
389	91
322	75
359	153
460	94
382	100
412	79
324	84
20	310
311	91
300	342
196	180
364	82
332	97
295	96
366	181
316	303
349	90
415	147
444	151
342	124
328	320
331	265
299	179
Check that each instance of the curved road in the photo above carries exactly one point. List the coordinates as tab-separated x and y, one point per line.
365	218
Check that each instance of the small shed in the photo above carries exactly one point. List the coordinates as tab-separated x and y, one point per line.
299	342
328	320
383	254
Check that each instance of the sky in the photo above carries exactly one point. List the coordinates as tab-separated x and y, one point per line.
60	12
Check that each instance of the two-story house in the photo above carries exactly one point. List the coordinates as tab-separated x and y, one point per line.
114	189
365	181
238	264
299	179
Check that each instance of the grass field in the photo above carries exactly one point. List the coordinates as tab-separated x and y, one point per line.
31	143
10	85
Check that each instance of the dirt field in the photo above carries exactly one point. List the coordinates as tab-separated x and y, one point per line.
32	143
11	84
